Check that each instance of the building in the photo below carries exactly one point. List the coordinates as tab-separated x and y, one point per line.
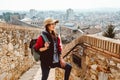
32	22
71	26
33	12
69	14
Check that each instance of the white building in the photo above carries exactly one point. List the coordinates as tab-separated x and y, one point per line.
32	22
70	14
33	12
71	26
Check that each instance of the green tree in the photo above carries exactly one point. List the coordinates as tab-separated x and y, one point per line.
109	31
17	14
6	16
1	17
78	27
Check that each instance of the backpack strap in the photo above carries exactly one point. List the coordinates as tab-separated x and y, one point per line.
45	37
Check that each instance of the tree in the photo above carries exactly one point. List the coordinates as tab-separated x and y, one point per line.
109	32
78	27
17	14
1	17
6	16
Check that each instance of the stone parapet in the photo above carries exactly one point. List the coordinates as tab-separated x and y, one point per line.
106	44
98	56
15	55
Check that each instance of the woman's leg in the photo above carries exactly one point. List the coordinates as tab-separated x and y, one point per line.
67	69
45	71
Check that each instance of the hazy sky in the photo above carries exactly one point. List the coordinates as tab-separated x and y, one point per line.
57	4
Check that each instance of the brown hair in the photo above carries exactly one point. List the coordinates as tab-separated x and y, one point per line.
53	34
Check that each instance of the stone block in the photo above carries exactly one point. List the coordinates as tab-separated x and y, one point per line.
93	77
112	63
94	66
118	65
102	76
3	75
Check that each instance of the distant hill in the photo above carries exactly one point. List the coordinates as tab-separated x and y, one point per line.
2	11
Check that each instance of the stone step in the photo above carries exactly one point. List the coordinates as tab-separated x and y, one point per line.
34	73
39	75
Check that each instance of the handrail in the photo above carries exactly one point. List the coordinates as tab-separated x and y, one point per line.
71	50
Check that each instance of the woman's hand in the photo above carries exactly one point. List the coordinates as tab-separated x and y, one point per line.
46	46
62	62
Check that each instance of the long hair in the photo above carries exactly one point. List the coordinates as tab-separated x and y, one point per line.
53	33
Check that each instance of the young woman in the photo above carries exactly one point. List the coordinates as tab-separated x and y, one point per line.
50	52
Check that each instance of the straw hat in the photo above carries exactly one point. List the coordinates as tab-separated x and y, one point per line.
50	21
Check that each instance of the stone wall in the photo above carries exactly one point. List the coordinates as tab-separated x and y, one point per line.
15	55
97	58
102	58
101	66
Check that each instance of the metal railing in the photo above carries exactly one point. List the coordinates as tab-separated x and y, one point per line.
71	50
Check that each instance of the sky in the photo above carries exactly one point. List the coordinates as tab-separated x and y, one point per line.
57	4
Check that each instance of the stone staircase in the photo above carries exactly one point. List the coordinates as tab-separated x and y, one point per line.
34	73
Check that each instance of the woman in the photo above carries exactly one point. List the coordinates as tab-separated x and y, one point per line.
50	52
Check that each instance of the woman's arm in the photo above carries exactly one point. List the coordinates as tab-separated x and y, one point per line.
62	62
39	45
59	45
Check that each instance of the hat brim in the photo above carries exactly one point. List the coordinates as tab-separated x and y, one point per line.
52	22
56	21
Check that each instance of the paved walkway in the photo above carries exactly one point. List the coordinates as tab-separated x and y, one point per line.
34	73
